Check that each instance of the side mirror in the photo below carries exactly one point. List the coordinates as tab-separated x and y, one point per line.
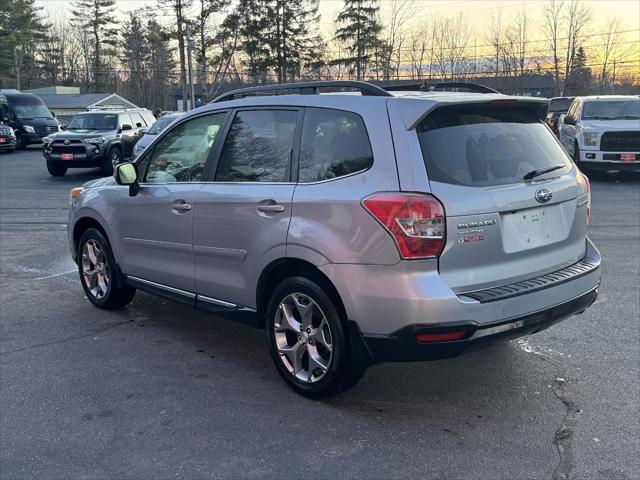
63	127
126	174
126	127
569	120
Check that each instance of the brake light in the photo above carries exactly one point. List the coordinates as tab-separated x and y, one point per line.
416	222
506	101
588	187
439	337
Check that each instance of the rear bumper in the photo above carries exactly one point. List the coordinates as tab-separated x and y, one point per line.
383	300
9	143
401	346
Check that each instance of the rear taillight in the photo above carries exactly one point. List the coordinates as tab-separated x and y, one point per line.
588	186
416	222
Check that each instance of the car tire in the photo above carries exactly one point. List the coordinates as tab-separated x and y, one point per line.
576	159
114	157
102	281
55	169
321	338
20	145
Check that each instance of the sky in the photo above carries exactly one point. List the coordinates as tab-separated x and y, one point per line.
477	11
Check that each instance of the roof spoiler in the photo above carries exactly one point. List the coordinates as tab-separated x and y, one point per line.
413	112
426	87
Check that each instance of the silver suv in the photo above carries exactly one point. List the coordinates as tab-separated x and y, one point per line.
354	229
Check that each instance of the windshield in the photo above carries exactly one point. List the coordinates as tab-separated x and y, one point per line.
27	106
560	104
160	125
612	110
94	121
485	146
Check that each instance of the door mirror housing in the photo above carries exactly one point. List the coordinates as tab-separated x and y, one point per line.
127	174
126	127
569	120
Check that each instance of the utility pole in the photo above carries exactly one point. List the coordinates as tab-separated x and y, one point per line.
190	45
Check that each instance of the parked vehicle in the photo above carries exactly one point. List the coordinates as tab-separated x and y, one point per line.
557	106
96	139
7	138
354	228
603	133
163	122
27	115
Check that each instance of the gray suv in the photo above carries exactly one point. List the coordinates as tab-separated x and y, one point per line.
354	229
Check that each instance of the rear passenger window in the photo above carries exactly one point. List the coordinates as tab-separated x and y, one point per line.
334	144
258	147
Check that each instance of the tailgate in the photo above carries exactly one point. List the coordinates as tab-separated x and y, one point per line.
506	221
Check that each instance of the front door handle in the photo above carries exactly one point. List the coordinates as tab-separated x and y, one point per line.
270	208
181	206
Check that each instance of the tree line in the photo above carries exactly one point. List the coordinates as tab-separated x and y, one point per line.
258	41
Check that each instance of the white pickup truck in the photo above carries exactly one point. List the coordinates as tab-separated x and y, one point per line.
603	132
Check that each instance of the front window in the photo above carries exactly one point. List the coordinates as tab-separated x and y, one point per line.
160	125
26	107
182	154
612	110
482	146
94	121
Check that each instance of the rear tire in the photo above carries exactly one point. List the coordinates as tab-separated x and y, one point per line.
114	157
55	169
102	281
308	339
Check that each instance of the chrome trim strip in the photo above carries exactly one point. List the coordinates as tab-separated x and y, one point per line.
215	301
217	252
161	286
182	247
583	203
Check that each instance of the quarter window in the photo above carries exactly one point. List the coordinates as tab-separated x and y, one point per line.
334	144
181	155
125	119
137	120
259	147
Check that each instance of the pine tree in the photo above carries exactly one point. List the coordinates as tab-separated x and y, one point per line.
253	31
134	55
204	41
359	31
292	35
97	19
21	29
580	76
161	62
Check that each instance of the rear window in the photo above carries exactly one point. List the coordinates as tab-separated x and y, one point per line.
560	104
334	144
484	146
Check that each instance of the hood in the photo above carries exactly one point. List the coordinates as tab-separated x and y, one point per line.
100	182
79	134
611	125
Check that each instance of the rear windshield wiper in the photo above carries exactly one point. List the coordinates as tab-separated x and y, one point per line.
536	173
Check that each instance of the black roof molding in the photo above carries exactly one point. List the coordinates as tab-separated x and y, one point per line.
303	88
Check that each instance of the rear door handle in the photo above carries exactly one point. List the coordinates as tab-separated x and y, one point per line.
181	206
270	208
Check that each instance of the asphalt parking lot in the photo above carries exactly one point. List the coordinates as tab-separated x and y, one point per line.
157	390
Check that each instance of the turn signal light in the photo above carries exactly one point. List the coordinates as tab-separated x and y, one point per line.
439	337
74	193
416	222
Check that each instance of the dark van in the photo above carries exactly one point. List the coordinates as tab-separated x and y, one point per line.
28	115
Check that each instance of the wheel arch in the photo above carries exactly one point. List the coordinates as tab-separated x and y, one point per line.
278	270
84	223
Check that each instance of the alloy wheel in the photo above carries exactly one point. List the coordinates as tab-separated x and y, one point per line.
95	269
303	337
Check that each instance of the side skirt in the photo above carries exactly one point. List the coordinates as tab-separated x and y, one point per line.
226	310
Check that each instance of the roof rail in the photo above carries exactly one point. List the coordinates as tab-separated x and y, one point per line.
426	87
303	88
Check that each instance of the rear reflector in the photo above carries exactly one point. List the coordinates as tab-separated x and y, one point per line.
439	337
416	222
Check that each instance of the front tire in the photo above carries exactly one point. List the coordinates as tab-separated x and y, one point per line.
307	339
576	159
103	283
55	169
114	157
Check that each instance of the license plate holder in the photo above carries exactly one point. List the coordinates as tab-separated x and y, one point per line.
627	157
66	156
